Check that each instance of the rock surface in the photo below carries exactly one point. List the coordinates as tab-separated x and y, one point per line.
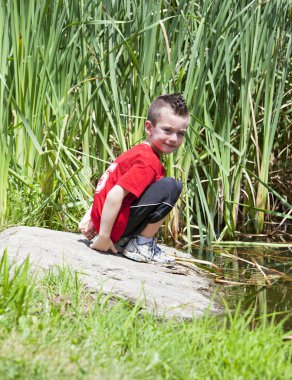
173	290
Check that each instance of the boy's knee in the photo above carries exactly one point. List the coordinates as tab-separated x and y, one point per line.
174	188
172	184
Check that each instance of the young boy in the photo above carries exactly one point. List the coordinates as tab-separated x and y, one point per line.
133	196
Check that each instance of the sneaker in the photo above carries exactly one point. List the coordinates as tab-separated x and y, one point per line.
121	243
146	252
132	254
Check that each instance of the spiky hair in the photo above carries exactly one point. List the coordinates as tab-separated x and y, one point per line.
173	101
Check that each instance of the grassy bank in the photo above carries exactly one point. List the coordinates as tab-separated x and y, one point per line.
56	329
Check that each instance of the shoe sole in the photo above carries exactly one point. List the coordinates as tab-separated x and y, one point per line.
134	256
164	262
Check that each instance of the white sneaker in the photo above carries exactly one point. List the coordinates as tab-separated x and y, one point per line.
146	252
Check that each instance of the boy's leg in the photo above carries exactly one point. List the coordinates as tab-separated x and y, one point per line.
147	215
149	211
151	228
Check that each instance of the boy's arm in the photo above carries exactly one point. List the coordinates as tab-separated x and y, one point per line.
111	208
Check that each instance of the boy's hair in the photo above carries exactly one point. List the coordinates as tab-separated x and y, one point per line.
173	101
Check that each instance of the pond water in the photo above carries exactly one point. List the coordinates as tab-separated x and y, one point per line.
259	277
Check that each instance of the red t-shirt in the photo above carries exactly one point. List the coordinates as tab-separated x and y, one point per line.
134	170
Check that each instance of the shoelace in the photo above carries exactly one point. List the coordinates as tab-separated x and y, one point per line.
154	249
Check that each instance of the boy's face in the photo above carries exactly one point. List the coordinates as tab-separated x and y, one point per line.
168	133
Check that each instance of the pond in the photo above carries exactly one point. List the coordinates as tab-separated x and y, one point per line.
259	277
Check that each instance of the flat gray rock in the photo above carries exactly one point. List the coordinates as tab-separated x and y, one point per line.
173	290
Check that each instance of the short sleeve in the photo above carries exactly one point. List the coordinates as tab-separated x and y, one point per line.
137	178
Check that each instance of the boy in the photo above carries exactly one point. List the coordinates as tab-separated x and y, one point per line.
133	196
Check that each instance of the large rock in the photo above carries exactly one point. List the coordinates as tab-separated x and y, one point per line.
173	290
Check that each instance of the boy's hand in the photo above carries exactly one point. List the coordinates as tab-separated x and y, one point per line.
88	231
103	243
86	225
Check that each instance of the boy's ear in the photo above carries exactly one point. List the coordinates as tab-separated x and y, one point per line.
147	127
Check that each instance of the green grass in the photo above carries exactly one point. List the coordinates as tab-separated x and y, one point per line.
60	330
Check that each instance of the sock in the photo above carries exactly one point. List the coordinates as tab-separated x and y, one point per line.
143	240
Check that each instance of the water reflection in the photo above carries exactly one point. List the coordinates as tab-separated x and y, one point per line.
265	277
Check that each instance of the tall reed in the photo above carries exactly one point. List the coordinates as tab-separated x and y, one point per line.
77	79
